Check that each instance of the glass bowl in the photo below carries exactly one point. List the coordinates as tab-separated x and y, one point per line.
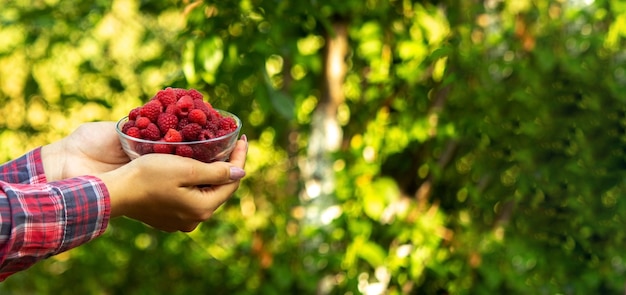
210	150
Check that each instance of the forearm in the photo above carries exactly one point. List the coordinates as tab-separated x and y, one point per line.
39	218
38	221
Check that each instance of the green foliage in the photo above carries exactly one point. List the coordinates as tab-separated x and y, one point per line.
483	143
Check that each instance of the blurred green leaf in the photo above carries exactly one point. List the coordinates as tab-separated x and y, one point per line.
281	102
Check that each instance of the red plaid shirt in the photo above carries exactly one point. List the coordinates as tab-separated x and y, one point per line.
39	219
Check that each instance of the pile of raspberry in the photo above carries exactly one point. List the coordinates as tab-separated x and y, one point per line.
176	115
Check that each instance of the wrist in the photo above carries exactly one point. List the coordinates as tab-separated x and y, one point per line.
53	160
117	183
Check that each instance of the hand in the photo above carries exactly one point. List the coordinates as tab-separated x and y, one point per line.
164	191
92	148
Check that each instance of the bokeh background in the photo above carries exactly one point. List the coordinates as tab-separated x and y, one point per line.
396	146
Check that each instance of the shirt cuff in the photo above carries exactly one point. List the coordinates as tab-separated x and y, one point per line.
87	210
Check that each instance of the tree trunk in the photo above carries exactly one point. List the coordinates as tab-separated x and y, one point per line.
326	133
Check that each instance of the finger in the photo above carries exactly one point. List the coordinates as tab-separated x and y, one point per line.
199	173
238	156
221	193
226	179
223	172
216	195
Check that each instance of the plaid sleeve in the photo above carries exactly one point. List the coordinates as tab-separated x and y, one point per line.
38	220
25	169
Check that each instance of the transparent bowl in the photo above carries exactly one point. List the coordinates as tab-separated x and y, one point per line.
210	150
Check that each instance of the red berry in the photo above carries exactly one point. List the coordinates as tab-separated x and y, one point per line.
134	113
202	152
191	131
151	110
151	132
173	135
184	151
213	118
200	105
162	148
167	96
142	122
143	148
133	132
172	109
166	122
221	132
180	92
227	124
128	124
184	104
182	123
195	94
206	134
197	116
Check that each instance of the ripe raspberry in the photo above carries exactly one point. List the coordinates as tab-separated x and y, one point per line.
213	119
227	124
195	94
197	116
180	92
182	123
221	132
173	135
184	151
184	104
142	122
128	124
200	105
133	132
215	112
151	132
143	148
202	152
151	110
162	148
191	131
206	134
134	113
166	122
166	96
172	109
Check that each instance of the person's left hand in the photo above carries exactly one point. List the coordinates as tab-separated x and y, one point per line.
91	149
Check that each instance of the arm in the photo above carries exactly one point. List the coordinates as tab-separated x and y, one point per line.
41	219
49	203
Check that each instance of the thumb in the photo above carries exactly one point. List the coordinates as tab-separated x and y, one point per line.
213	173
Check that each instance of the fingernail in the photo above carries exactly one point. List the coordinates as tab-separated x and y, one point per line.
237	173
244	138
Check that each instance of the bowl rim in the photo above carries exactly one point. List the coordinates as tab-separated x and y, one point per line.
222	112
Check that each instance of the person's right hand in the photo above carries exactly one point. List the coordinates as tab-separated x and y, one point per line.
170	192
